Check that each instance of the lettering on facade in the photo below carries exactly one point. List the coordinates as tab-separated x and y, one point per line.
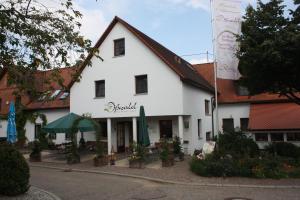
113	107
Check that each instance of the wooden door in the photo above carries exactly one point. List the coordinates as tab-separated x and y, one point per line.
165	127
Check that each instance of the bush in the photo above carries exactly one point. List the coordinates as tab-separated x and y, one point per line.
36	148
237	144
283	149
14	171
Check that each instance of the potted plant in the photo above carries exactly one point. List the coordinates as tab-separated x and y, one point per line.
166	154
35	155
178	153
137	158
100	159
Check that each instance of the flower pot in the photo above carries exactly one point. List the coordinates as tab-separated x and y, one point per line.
168	162
100	161
137	164
35	157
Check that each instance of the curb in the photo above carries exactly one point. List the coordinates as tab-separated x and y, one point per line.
158	180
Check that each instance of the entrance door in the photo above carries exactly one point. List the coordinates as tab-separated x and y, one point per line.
121	137
165	127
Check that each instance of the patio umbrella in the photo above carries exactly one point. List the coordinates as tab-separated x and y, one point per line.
11	126
64	124
143	129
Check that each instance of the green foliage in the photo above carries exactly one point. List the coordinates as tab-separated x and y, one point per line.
284	149
269	49
34	36
166	150
177	146
14	176
237	144
36	149
138	152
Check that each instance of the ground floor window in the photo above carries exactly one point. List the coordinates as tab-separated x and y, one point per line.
165	128
208	136
228	125
259	137
277	137
295	136
37	130
52	136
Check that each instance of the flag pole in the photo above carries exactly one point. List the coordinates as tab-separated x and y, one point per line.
216	130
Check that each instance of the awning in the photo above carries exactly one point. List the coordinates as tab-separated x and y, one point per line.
274	116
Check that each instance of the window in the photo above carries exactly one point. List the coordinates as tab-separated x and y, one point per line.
64	95
293	136
207	107
37	130
244	124
165	127
100	88
52	136
119	47
0	104
208	136
228	125
199	129
141	84
276	137
259	137
54	94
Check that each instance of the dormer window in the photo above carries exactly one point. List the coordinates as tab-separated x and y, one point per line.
119	47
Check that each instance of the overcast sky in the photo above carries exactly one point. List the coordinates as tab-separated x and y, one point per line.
183	26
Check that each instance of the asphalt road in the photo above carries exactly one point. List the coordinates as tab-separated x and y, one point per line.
85	186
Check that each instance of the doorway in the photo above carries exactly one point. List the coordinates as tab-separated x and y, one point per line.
124	135
165	127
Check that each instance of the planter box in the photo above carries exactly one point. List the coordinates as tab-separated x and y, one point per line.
168	162
35	158
136	164
100	161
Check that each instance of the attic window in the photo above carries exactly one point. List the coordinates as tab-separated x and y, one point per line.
119	47
55	93
64	95
43	96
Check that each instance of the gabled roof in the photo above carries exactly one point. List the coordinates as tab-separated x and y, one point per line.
227	89
184	69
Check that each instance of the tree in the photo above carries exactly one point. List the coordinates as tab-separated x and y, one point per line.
270	50
35	36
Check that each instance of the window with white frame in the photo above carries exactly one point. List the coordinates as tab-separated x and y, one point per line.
100	88
199	129
207	107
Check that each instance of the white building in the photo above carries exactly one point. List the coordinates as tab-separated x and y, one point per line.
135	71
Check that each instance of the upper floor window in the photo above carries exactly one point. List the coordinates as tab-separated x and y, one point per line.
119	47
207	107
100	88
141	84
244	124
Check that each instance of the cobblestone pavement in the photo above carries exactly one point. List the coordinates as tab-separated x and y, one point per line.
88	186
33	193
179	172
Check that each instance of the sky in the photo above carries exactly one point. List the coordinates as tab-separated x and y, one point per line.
183	26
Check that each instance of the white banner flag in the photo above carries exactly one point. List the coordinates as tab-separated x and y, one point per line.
226	25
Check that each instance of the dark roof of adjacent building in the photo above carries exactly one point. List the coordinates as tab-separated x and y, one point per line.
184	69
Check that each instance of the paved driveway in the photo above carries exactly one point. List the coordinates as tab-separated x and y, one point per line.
88	186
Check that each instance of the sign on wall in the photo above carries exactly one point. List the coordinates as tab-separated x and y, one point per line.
113	107
226	25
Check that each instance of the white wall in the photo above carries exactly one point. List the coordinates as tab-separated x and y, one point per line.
164	85
3	127
234	111
51	116
194	106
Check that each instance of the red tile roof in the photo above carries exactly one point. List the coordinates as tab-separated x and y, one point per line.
274	116
227	88
7	92
184	69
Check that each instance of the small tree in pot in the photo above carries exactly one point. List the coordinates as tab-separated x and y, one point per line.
179	155
137	158
35	155
166	154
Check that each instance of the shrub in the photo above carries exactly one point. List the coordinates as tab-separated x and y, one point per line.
237	144
14	171
283	149
36	149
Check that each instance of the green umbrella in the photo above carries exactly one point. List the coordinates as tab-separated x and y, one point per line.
143	129
64	124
